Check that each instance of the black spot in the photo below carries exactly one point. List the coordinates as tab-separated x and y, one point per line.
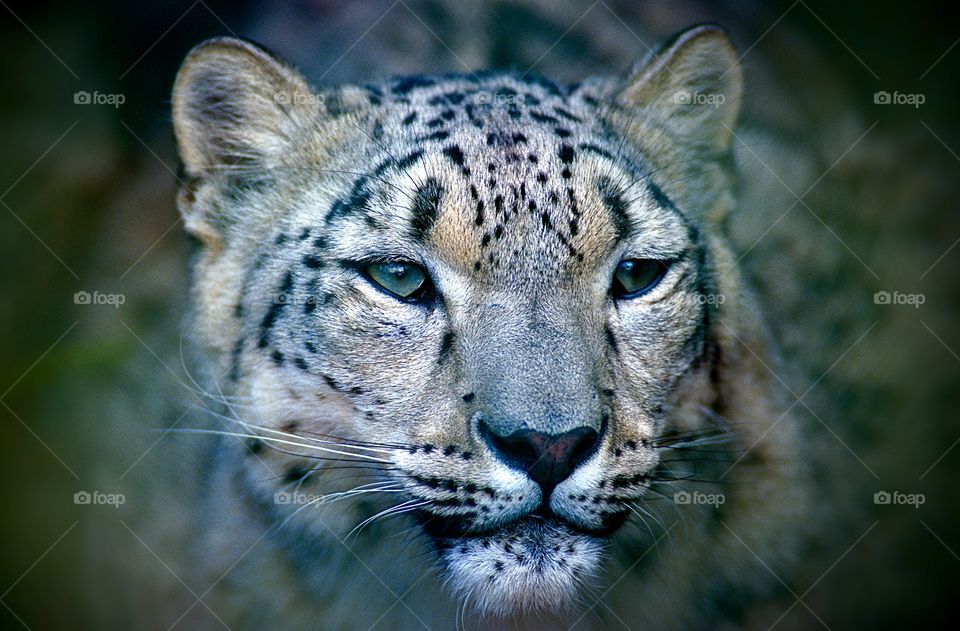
277	357
479	218
565	174
446	345
545	218
518	138
611	340
616	206
304	235
468	397
455	154
312	262
407	84
300	363
592	148
544	118
409	159
409	118
310	346
276	308
331	382
567	115
281	239
356	201
426	206
562	132
541	177
566	153
437	135
574	227
533	158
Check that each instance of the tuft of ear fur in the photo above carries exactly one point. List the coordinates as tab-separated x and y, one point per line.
692	87
234	105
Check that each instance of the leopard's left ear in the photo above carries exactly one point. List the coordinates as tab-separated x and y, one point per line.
692	86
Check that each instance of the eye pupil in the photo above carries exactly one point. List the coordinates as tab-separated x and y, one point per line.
405	280
635	277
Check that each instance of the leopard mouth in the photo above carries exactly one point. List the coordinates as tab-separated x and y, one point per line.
534	564
446	529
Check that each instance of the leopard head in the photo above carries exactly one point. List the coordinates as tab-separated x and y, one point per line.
490	289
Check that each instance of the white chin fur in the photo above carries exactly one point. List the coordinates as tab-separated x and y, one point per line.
533	567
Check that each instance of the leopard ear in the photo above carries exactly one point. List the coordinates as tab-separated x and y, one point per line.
692	86
235	105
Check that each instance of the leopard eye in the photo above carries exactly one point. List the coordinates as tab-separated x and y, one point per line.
635	277
404	280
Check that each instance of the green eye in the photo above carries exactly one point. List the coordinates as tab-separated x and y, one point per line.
404	280
635	277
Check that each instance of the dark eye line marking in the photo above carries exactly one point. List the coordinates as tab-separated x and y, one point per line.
426	207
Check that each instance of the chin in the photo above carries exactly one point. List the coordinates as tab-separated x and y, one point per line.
536	565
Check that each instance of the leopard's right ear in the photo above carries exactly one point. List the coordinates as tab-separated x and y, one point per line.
235	106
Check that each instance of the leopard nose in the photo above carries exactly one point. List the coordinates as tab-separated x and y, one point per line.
548	459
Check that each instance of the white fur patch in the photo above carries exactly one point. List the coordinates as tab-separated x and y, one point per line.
535	566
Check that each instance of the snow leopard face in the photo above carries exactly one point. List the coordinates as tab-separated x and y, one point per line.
492	289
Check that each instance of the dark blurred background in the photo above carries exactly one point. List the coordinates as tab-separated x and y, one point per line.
87	188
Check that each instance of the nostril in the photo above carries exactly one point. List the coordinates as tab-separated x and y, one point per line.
516	448
548	459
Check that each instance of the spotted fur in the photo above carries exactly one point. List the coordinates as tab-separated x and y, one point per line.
518	196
